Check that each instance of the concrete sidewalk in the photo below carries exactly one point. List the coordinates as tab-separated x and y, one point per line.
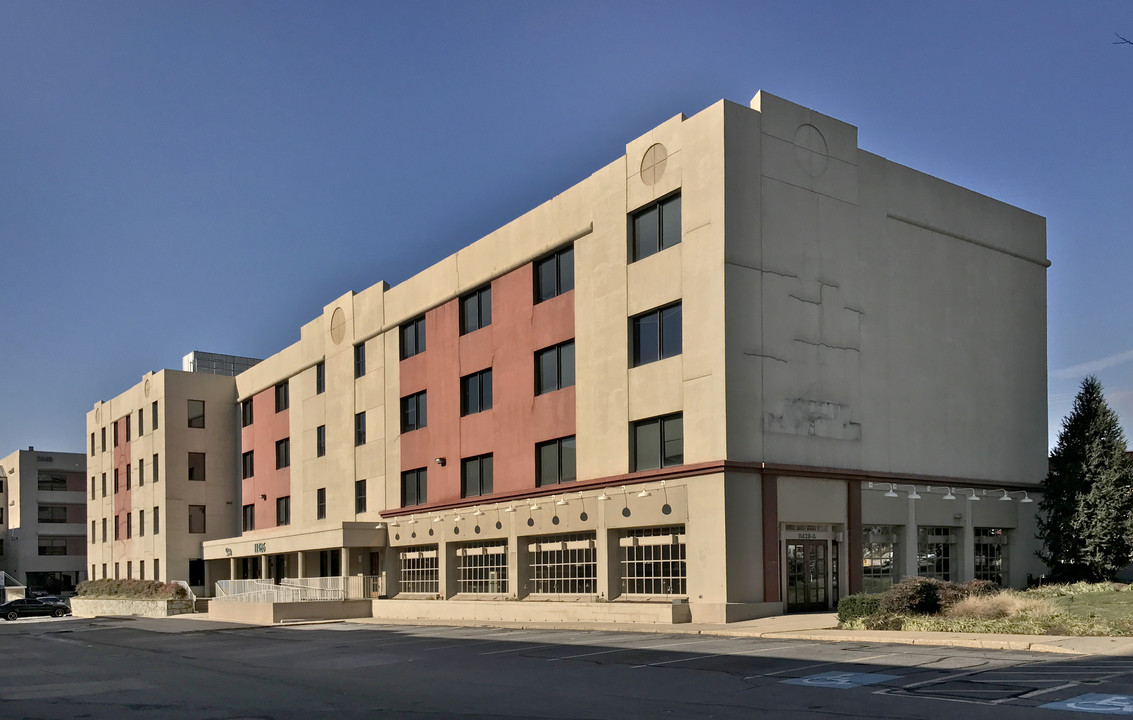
811	626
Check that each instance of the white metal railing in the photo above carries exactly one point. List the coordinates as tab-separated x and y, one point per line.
314	589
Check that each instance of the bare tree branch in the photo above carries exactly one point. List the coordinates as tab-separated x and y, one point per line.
1122	40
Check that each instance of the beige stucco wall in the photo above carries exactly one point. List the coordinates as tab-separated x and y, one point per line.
172	494
879	319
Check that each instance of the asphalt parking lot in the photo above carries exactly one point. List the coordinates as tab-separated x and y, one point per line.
114	668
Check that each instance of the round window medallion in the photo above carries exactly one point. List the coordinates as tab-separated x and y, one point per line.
810	150
337	325
146	387
98	415
653	163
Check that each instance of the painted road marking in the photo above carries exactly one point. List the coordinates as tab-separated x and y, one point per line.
627	649
822	664
1096	703
745	653
840	680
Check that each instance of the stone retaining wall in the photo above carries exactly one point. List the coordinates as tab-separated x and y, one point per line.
98	607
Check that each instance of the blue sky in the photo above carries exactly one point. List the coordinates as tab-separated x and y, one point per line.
207	175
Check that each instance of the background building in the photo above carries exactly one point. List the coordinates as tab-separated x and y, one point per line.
43	519
747	365
163	477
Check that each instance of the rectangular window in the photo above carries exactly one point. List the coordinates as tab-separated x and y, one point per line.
555	462
248	465
104	529
283	510
246	415
248	518
653	561
320	378
655	227
554	275
129	569
156	569
359	496
93	532
414	487
141	569
155	472
103	439
476	476
414	414
282	453
115	481
141	417
51	483
114	425
116	576
476	310
419	570
197	466
564	564
482	567
196	413
156	521
196	519
52	546
879	547
476	392
282	396
127	419
117	527
936	546
656	335
990	554
52	513
92	455
554	368
413	338
658	442
153	415
320	441
104	571
321	504
92	487
141	473
128	468
141	523
359	360
360	428
129	525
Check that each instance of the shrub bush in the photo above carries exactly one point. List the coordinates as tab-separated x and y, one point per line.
952	593
855	607
917	595
136	589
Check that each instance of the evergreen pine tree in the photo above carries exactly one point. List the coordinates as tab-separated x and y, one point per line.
1086	525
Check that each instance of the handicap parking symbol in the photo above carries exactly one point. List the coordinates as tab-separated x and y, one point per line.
840	680
1096	703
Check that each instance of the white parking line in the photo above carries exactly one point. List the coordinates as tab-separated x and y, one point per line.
738	654
853	661
528	642
625	649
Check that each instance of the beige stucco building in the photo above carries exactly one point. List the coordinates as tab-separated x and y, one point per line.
43	519
162	473
747	365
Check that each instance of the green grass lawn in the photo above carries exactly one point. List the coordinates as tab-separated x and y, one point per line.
1109	606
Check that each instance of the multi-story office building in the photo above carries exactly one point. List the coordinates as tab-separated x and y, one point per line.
162	473
43	519
746	364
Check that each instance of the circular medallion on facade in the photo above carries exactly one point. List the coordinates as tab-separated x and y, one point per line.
337	325
98	414
653	163
146	387
810	150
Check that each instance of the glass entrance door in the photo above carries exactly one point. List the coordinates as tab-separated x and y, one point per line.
807	589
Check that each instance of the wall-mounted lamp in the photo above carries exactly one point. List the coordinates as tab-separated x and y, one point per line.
1006	497
440	461
949	495
380	526
263	496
